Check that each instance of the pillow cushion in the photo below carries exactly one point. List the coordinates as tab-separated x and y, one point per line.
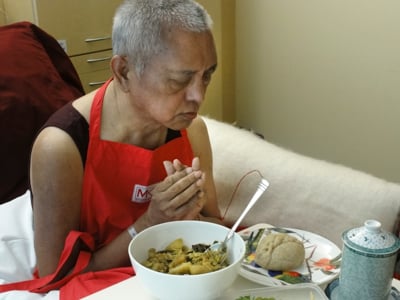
36	78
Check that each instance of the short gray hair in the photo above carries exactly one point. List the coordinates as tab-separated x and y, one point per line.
138	26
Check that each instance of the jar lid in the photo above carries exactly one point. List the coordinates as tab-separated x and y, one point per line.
371	238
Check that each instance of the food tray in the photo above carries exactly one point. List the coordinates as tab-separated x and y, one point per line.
301	291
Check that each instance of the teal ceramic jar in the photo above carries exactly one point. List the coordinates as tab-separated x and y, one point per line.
369	257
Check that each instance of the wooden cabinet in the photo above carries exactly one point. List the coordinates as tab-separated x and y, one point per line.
83	28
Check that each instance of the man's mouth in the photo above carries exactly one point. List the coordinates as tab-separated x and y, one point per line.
190	115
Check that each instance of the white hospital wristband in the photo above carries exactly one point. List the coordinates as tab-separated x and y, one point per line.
132	231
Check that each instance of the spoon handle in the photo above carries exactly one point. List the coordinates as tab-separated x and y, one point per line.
262	186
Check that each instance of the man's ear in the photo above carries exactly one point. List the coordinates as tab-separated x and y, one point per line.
120	70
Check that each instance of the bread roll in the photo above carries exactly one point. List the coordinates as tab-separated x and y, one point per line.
280	252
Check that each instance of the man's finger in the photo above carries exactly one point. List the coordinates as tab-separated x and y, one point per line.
169	167
196	164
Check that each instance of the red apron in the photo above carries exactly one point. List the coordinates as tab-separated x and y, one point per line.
115	193
117	178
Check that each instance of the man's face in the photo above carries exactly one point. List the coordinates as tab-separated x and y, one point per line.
173	84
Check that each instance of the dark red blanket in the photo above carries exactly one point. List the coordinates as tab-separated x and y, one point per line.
36	78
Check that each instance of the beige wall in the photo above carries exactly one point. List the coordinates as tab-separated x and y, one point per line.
2	14
323	78
227	57
220	97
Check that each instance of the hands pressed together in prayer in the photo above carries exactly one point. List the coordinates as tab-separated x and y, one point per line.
180	195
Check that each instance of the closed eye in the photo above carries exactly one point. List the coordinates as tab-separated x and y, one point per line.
179	83
208	74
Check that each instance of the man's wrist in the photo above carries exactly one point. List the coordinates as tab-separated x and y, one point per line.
132	231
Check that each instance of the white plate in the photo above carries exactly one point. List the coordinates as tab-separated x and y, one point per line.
301	291
321	265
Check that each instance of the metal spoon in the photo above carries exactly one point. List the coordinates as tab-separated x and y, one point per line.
262	186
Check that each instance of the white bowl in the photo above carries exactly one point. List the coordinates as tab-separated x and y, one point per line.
183	287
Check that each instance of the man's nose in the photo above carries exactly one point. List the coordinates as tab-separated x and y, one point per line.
196	91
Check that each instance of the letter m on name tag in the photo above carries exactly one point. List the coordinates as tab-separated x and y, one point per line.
141	194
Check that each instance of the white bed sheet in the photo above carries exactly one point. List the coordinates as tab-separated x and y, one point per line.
17	254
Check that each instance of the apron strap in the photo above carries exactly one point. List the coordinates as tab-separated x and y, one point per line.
58	278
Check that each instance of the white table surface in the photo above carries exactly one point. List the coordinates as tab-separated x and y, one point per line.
132	286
